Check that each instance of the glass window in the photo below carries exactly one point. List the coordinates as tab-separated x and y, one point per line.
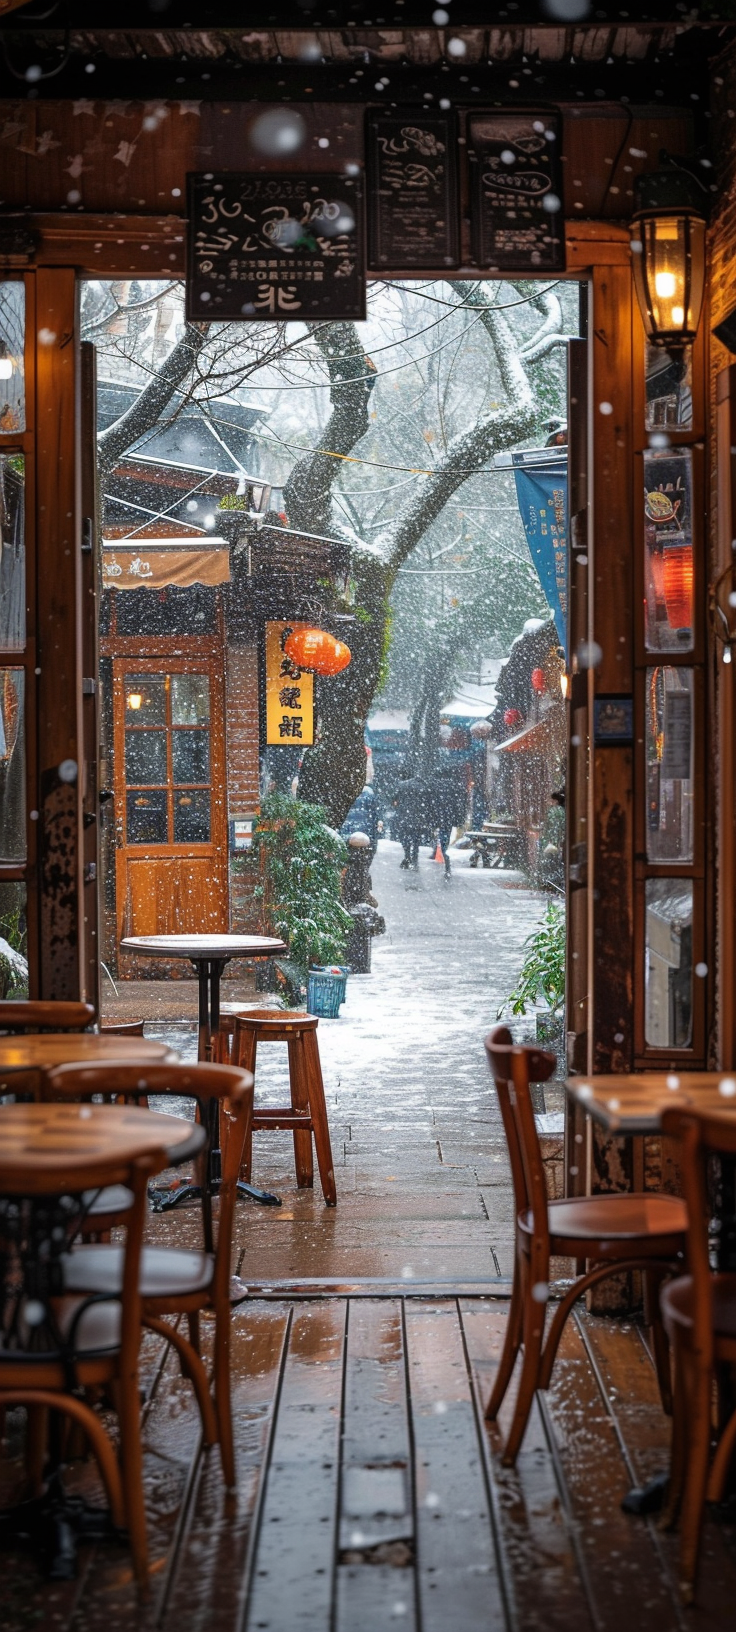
12	552
669	747
190	699
145	756
192	816
145	699
668	577
12	766
669	962
147	817
669	389
191	756
12	364
13	928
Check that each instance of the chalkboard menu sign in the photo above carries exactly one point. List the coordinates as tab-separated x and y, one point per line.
273	247
412	218
515	176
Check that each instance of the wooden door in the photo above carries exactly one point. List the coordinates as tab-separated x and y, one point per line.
170	800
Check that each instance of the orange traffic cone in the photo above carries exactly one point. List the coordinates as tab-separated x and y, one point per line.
438	856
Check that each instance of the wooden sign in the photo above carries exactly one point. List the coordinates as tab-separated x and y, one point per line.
413	217
289	693
275	247
518	223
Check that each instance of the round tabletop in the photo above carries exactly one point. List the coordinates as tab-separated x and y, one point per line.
40	1140
40	1051
199	947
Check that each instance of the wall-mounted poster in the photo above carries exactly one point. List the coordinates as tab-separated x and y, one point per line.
289	693
517	217
270	247
413	214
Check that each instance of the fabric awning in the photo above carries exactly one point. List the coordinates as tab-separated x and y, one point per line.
157	567
534	739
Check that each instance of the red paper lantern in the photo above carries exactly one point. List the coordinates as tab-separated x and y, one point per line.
538	680
317	650
677	584
512	717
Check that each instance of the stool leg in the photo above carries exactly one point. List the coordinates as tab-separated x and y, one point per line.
318	1113
299	1087
244	1050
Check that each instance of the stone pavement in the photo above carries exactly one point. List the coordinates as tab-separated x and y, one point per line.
423	1182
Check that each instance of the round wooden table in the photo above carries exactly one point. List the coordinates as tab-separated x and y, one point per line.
44	1139
42	1051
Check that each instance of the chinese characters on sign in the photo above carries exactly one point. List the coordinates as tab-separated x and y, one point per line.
413	218
541	491
288	248
516	189
289	693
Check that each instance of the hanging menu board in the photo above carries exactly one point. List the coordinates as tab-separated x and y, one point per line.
517	218
413	218
286	248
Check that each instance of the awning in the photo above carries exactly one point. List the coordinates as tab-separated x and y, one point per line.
534	739
154	568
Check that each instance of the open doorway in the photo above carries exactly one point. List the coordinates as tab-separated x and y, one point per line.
400	484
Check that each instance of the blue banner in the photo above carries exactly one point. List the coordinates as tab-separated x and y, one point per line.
541	492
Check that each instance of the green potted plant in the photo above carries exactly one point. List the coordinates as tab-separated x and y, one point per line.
542	974
301	861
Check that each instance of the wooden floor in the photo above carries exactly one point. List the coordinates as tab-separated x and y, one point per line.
371	1494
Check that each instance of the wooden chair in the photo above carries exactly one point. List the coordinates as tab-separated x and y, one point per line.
699	1314
91	1345
45	1016
612	1233
175	1281
307	1113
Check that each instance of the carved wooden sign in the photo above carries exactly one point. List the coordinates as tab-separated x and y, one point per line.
288	248
516	190
412	218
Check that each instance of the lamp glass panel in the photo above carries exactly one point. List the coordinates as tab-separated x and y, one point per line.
669	755
668	551
668	964
12	364
669	389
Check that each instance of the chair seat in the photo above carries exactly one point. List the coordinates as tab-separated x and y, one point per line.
98	1331
114	1198
618	1218
166	1272
676	1301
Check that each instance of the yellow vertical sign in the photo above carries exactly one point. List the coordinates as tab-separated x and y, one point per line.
289	693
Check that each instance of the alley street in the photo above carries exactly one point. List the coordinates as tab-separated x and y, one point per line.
422	1175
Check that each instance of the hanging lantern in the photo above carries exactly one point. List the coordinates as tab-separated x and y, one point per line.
677	584
317	650
538	680
512	717
668	241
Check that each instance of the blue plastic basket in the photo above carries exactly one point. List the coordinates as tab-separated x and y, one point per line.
325	992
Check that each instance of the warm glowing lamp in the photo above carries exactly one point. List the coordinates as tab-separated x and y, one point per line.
135	700
7	363
677	585
668	243
317	650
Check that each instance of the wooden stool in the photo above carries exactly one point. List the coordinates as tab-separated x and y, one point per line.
307	1114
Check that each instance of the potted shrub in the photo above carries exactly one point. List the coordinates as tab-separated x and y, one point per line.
542	974
301	861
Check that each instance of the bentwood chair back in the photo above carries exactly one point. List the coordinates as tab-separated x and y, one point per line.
173	1280
77	1343
44	1016
699	1313
610	1234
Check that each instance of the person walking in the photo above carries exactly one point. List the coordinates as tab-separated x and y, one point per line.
410	804
446	813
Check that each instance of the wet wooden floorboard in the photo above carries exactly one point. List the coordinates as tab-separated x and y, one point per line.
370	1492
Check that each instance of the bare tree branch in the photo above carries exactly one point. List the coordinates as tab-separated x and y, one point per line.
147	409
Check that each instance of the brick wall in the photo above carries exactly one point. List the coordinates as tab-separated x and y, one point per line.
242	740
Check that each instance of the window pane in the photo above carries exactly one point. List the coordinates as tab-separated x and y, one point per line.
190	699
669	388
12	551
669	740
12	370
145	756
12	766
192	816
668	575
13	965
191	756
145	699
669	962
147	819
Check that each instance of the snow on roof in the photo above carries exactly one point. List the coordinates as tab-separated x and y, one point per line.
389	719
471	702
